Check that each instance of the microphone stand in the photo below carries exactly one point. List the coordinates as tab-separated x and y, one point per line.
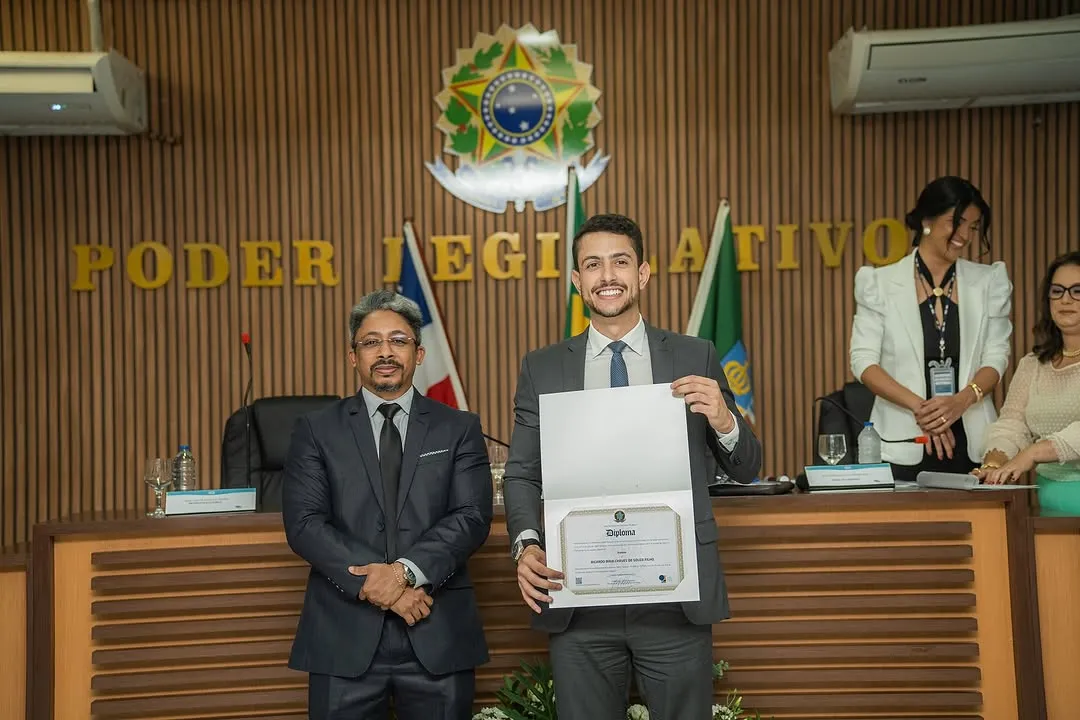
920	439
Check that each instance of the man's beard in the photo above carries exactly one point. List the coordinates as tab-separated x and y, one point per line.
387	386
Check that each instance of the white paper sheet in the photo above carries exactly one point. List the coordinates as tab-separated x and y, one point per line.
617	449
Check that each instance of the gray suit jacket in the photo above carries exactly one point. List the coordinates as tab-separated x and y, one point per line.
334	514
561	368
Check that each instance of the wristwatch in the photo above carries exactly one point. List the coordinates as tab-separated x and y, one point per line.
410	576
519	548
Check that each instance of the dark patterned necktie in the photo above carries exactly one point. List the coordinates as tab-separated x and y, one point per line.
619	376
390	465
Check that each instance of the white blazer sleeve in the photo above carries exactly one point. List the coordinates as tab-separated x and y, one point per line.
995	350
868	327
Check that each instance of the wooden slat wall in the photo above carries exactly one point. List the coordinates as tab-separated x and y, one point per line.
289	121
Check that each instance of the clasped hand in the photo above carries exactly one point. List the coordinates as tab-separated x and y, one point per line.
936	417
384	589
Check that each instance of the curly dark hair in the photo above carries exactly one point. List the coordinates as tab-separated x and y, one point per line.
1049	341
616	225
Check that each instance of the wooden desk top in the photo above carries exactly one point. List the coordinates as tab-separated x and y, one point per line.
135	522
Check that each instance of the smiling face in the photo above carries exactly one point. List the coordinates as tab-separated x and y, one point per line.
385	354
1064	305
610	275
946	244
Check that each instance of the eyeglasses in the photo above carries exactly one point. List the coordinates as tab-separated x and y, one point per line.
1058	291
397	342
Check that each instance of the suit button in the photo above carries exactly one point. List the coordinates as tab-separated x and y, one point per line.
380	527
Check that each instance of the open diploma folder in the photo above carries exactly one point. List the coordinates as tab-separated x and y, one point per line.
618	508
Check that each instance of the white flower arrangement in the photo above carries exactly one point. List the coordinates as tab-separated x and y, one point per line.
535	688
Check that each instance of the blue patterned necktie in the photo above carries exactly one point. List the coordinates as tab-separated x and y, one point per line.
619	377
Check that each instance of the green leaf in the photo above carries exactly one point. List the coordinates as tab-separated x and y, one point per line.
578	112
574	139
556	63
464	142
457	113
484	58
464	73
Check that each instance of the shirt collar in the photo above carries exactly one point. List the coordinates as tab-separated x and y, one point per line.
373	401
635	339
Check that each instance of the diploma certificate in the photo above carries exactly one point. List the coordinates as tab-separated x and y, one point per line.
622	550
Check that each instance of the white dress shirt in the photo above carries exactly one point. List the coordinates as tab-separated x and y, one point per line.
401	422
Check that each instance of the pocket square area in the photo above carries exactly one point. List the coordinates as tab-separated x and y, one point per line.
429	453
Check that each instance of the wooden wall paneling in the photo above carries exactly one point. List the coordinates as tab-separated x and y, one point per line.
289	122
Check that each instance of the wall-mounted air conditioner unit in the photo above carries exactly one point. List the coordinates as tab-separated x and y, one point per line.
81	93
1019	63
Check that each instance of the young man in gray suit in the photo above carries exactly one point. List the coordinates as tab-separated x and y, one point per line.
387	493
668	646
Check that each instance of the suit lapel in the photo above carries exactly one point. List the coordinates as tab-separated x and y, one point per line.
574	362
908	305
365	440
414	441
663	360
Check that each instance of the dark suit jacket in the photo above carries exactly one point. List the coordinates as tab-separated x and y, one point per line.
561	368
333	510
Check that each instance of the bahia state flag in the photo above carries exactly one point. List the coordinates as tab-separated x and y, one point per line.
717	311
437	377
577	315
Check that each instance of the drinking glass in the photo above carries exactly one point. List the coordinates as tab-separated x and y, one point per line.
497	457
159	477
832	448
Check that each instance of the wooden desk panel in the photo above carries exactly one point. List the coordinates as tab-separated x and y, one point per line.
882	605
1057	560
13	624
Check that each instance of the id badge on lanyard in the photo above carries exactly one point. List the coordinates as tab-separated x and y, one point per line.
942	378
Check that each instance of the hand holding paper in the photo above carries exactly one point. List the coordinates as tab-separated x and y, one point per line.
703	395
534	574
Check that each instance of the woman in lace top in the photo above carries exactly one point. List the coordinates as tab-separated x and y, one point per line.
1039	425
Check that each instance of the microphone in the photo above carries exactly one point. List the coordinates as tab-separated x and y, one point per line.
920	439
245	338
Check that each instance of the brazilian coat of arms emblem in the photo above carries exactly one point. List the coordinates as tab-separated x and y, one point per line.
518	111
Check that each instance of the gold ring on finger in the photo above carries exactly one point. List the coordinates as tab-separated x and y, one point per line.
942	418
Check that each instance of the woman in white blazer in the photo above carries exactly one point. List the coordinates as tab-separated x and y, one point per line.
931	336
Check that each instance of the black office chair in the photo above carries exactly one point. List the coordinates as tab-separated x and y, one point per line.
272	420
857	400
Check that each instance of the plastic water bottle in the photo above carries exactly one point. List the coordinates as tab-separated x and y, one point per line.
869	445
185	474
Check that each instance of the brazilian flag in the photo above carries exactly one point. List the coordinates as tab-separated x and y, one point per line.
717	311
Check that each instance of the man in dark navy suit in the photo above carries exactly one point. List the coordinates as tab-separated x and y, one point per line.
387	493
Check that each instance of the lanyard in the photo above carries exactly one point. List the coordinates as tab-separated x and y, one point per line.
940	293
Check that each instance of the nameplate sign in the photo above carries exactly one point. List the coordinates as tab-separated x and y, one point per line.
225	500
877	476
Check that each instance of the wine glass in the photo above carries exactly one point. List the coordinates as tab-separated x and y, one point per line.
832	448
497	456
159	477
